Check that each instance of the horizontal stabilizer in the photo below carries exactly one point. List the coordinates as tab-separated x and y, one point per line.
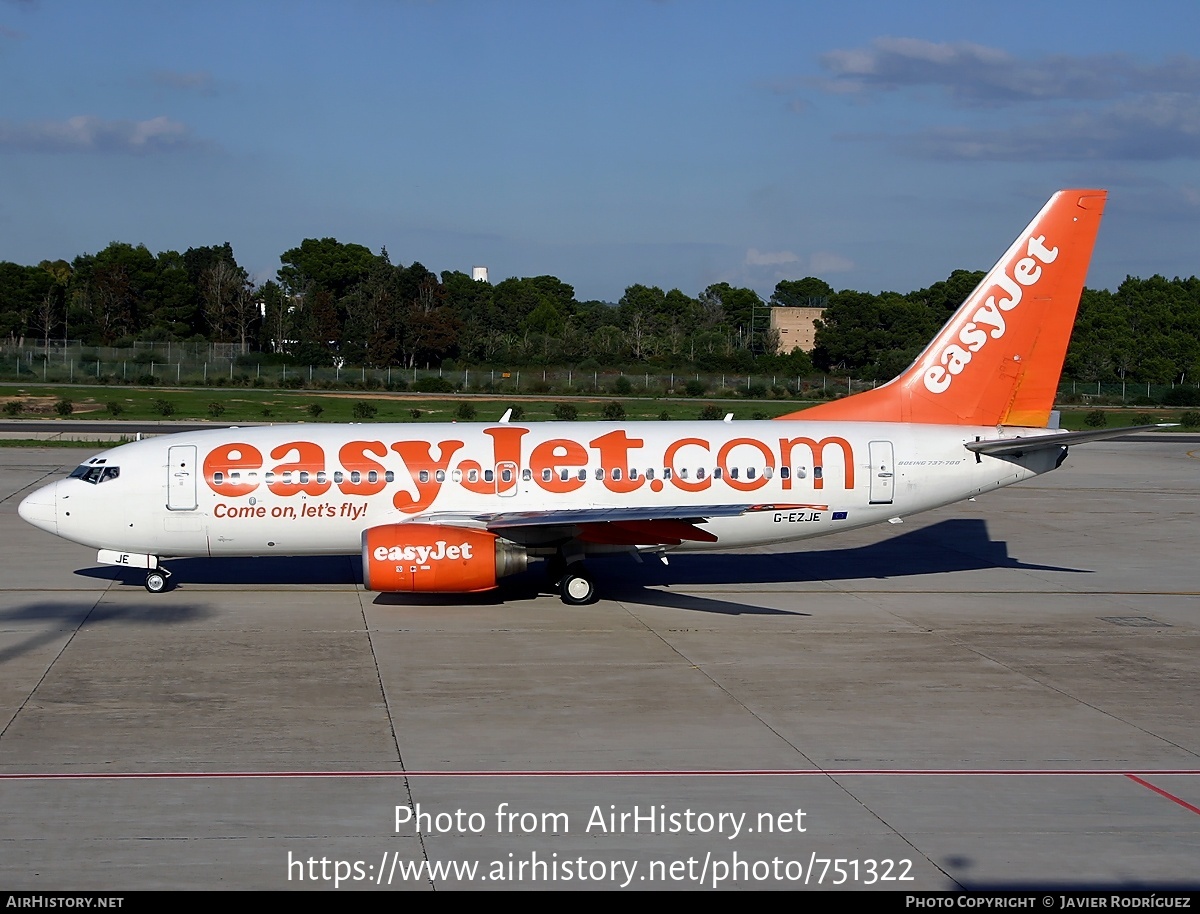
1016	446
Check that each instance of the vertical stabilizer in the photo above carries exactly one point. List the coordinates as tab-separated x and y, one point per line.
997	361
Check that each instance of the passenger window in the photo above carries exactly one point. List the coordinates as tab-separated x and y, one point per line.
816	472
321	477
700	473
616	473
785	472
423	476
304	476
355	476
338	477
718	472
488	475
389	476
372	476
506	475
750	472
650	473
733	472
546	475
526	474
472	476
439	475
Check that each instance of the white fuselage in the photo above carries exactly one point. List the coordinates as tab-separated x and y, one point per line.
313	489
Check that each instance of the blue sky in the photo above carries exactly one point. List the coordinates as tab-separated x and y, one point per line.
878	145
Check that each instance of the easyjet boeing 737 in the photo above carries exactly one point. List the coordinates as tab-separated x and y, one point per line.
453	508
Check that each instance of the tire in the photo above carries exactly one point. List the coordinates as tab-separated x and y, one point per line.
156	582
577	587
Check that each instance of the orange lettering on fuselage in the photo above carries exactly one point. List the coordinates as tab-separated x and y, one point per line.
680	481
418	456
228	459
229	469
817	450
310	460
614	455
745	485
506	448
353	458
549	457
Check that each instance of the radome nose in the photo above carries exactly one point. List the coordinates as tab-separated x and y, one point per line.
40	509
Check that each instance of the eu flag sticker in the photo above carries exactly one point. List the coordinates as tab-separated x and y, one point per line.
839	515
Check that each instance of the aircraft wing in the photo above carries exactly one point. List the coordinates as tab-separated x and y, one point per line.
642	526
999	447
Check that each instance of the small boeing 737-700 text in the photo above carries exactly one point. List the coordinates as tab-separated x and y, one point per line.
455	507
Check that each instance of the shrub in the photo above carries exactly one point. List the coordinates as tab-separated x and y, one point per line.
518	413
1142	419
614	410
565	412
163	407
756	391
215	409
695	388
315	410
415	413
64	407
12	407
465	411
760	415
114	408
1182	396
267	412
664	416
295	382
146	380
1190	419
433	386
622	386
1097	418
712	412
364	409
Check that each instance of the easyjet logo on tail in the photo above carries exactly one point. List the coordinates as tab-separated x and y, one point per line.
988	322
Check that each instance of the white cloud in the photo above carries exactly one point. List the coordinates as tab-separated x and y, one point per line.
823	262
88	133
755	258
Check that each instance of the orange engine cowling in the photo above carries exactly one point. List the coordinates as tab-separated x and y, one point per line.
429	558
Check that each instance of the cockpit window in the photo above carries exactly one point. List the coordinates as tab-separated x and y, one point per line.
95	474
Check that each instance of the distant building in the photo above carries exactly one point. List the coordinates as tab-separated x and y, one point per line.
479	274
795	327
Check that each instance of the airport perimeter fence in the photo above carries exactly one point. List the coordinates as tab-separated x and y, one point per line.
223	365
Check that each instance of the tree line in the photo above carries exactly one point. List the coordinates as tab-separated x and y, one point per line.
337	303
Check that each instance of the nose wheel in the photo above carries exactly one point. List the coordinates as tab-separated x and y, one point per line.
157	580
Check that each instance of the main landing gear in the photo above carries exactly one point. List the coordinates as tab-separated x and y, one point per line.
574	584
157	579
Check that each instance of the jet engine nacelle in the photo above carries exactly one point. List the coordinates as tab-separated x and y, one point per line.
430	558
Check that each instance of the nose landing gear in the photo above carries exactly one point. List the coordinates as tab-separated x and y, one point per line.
157	579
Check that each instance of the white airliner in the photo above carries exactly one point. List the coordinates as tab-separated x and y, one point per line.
454	507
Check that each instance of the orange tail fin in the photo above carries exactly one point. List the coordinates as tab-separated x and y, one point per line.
998	359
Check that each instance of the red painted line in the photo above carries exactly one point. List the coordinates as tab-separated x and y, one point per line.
1162	793
683	773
